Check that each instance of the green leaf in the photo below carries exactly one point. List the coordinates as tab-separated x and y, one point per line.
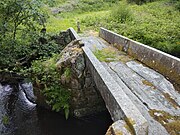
66	111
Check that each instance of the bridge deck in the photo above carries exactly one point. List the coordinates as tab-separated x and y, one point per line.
157	98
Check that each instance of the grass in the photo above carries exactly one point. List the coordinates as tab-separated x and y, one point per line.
110	54
54	25
155	24
106	54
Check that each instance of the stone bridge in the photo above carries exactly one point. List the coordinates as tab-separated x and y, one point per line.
139	84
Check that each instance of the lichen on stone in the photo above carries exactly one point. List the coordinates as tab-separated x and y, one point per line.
110	54
171	100
129	126
170	122
145	82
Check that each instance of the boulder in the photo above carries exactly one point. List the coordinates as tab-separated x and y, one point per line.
85	99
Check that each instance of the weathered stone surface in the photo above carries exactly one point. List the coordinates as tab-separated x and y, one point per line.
164	63
85	99
158	80
27	89
73	34
143	95
119	128
141	86
117	102
155	128
63	38
148	94
93	43
72	66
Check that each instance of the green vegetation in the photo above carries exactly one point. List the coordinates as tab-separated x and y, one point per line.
106	54
46	78
153	23
110	54
18	20
67	72
5	120
121	14
26	49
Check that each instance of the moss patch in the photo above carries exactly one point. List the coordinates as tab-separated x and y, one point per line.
119	47
67	73
145	82
171	123
110	54
5	120
124	58
106	54
129	129
129	120
172	101
111	131
175	126
119	133
129	126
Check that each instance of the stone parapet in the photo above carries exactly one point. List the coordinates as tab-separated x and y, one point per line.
164	63
117	102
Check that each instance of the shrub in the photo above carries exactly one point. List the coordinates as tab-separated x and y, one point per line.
94	5
20	22
155	24
121	13
139	2
46	77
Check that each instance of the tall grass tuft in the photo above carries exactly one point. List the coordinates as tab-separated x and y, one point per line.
121	13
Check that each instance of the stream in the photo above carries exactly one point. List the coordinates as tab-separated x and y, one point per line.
19	116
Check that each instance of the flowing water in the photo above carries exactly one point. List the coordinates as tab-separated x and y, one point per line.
19	116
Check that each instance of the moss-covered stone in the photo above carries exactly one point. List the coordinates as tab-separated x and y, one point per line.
75	76
129	126
110	54
171	100
170	122
145	82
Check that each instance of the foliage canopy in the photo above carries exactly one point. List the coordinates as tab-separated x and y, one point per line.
20	23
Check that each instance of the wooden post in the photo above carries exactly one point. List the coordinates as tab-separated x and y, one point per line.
78	27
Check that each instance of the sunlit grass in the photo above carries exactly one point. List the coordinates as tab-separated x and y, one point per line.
106	54
155	24
55	25
58	22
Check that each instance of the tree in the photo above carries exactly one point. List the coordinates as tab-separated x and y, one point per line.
20	22
19	13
